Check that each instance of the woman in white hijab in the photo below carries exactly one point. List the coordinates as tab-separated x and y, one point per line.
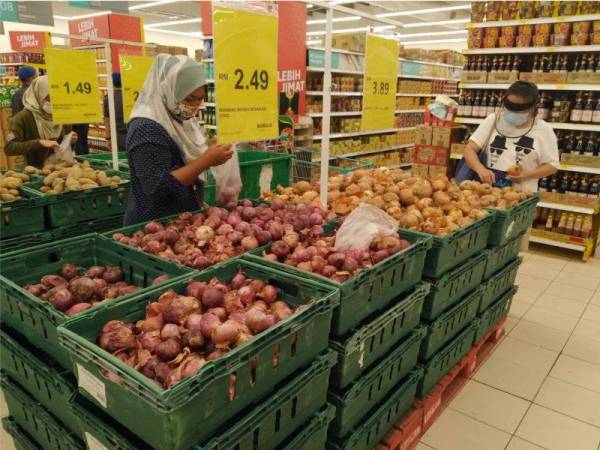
166	147
32	132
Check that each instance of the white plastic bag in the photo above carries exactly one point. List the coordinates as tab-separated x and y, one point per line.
64	153
228	181
362	225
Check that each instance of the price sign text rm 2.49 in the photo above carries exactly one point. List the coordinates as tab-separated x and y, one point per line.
258	80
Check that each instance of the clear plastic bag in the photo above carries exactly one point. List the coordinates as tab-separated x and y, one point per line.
228	181
64	153
362	225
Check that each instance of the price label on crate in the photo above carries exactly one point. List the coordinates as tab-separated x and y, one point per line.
379	86
245	48
133	74
74	92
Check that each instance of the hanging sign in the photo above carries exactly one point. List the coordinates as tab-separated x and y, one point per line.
379	87
36	13
133	74
111	5
245	48
73	79
22	41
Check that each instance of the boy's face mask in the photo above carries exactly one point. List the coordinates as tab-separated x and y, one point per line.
516	114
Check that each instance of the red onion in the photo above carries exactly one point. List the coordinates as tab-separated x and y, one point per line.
153	323
248	213
281	311
168	350
62	299
291	239
77	308
263	237
153	227
160	279
239	316
116	336
256	320
224	229
216	354
51	281
328	271
277	204
149	368
247	294
316	231
204	233
280	249
191	365
150	340
249	243
350	265
201	262
268	293
225	334
270	257
260	305
170	330
315	219
336	259
318	263
233	219
301	255
69	271
156	308
235	237
221	313
242	339
187	216
209	323
177	310
238	280
36	289
112	274
212	297
82	288
171	236
193	321
243	227
379	255
305	265
257	285
232	302
275	229
162	371
194	339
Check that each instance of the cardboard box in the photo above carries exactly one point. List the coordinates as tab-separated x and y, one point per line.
445	136
420	169
437	170
474	77
580	160
583	77
5	115
503	77
423	134
430	155
350	42
553	78
457	148
530	76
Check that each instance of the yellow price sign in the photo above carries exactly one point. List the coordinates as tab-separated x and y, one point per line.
134	70
379	87
245	48
73	79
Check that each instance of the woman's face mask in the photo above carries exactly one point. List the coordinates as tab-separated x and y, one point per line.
47	107
184	111
516	119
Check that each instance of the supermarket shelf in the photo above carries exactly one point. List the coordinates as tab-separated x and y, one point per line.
425	77
346	71
364	133
399	166
406	111
579	169
512	50
555	125
208	60
335	93
100	60
210	104
403	94
542	87
430	63
565	207
541	240
359	113
370	152
456	156
210	80
337	50
504	23
210	127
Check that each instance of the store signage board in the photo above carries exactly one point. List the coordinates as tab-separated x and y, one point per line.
73	79
117	6
379	87
35	13
133	74
23	41
89	27
245	48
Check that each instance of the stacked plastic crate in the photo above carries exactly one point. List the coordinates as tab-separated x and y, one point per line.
271	392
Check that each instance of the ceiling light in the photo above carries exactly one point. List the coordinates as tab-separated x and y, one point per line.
314	41
197	34
433	41
309	5
336	19
441	22
173	22
83	16
424	11
150	4
429	33
351	30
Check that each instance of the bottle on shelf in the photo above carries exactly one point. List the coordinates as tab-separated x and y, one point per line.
577	111
596	113
590	146
579	146
588	109
584	187
573	186
570	224
594	188
562	222
543	184
586	227
550	221
578	225
468	111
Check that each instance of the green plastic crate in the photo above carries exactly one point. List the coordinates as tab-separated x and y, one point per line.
452	286
381	418
371	289
81	206
376	337
49	384
37	319
448	252
370	389
266	425
101	225
35	420
168	418
510	223
24	241
494	313
500	256
313	435
499	283
103	160
23	216
263	172
21	440
446	358
449	323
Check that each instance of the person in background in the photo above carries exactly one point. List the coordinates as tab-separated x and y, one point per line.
167	149
82	146
120	122
32	132
26	74
517	144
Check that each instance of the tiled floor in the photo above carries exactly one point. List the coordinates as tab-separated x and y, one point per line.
540	387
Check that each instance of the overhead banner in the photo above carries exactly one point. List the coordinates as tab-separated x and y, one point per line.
35	13
89	27
134	70
245	49
22	41
73	79
379	87
109	5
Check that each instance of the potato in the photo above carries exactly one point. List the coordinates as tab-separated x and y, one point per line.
14	192
11	182
7	197
89	186
72	184
22	176
50	178
32	170
45	189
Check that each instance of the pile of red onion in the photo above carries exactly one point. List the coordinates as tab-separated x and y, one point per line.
315	253
203	239
76	289
181	332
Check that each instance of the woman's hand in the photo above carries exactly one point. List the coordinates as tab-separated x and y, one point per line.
74	138
486	175
217	154
520	178
53	145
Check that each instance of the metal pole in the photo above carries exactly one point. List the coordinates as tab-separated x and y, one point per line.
111	108
325	122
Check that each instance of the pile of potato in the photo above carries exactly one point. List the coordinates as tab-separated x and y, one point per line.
10	182
434	205
63	177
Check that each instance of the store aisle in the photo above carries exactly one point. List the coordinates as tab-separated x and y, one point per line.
540	387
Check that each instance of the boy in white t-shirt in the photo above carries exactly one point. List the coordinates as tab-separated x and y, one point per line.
515	141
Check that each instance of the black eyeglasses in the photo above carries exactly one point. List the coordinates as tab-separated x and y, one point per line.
497	151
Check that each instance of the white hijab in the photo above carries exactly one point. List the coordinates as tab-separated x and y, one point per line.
33	100
171	79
